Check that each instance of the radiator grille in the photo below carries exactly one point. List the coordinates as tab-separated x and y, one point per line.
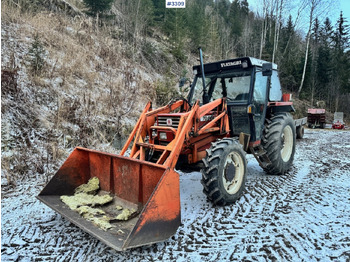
164	121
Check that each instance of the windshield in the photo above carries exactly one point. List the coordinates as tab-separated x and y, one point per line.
233	85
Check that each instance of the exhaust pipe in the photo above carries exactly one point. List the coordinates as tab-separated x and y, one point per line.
205	93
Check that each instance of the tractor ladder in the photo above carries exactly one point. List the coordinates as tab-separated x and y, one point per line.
261	156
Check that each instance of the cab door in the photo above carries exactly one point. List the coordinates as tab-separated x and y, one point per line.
259	104
238	91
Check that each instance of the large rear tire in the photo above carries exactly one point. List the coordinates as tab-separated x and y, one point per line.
279	143
224	172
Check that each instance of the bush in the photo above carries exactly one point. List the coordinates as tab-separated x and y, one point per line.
165	91
178	53
36	56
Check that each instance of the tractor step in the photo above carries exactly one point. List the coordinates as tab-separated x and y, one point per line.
260	155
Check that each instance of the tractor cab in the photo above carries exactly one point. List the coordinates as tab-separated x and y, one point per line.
247	83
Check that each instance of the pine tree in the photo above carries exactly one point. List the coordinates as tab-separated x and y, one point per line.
289	61
325	61
36	56
315	39
342	64
198	26
235	20
98	7
175	27
341	37
159	11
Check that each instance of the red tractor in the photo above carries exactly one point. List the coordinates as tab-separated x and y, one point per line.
234	107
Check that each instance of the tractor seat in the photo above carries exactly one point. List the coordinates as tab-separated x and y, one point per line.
244	96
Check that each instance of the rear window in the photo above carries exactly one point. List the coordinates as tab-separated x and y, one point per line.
275	90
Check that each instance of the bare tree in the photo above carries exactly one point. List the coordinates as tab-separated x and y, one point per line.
316	8
266	6
296	21
279	9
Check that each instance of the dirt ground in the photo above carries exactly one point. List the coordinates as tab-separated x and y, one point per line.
300	216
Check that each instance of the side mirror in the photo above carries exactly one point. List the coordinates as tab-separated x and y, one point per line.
267	69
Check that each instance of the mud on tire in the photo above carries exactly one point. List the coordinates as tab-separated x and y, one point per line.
224	172
279	143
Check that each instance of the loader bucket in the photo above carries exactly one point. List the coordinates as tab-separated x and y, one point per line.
151	189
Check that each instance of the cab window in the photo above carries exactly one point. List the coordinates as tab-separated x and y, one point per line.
260	88
238	88
218	91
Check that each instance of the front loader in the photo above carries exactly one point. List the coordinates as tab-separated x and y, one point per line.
234	107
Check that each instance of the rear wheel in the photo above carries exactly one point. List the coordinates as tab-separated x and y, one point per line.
300	132
279	143
224	172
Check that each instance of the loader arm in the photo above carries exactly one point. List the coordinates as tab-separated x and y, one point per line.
191	131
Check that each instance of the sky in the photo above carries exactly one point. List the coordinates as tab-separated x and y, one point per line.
345	7
333	14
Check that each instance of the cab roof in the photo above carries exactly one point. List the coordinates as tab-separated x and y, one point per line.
236	63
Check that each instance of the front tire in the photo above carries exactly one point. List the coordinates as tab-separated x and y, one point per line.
279	143
224	172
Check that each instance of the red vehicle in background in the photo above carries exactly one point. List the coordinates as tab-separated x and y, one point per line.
338	122
316	118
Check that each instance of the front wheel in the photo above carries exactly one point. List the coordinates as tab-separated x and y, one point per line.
224	172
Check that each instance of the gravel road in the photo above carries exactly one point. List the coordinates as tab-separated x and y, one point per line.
303	215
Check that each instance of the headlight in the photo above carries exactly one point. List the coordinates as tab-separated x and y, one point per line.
154	133
163	136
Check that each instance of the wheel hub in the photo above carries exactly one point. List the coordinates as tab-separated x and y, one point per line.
286	143
233	173
230	172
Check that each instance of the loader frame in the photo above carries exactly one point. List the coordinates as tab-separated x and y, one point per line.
191	137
